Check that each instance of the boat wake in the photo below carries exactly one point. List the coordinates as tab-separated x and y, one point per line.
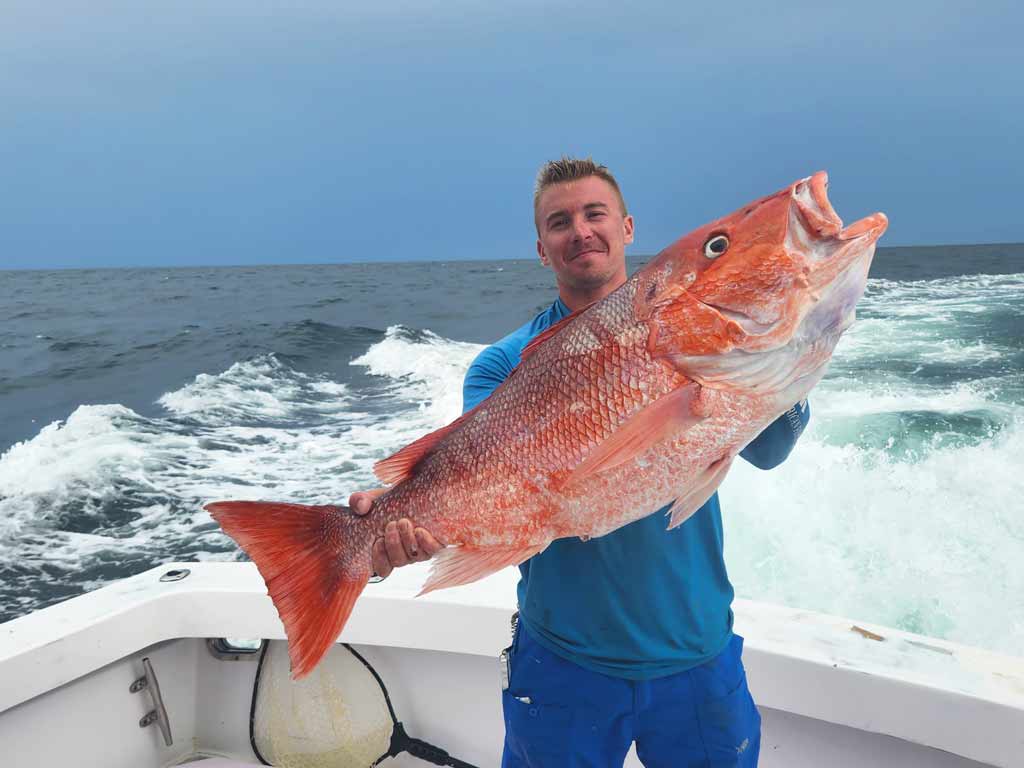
897	506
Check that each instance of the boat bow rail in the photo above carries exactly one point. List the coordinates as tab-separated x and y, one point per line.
960	699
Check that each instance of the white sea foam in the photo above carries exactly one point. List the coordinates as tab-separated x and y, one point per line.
842	397
959	288
235	451
65	462
932	321
256	390
427	370
924	341
931	545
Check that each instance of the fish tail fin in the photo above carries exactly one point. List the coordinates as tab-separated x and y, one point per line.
315	561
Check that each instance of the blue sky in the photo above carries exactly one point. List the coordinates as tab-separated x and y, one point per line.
186	132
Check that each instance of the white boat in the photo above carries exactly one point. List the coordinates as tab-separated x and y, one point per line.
832	692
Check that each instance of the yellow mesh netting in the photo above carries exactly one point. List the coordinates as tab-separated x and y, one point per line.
334	718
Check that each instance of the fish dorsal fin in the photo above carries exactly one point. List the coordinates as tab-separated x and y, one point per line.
399	466
543	336
672	413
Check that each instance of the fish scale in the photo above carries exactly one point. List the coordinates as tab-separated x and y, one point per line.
641	399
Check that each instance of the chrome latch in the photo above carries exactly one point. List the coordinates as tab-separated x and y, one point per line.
158	714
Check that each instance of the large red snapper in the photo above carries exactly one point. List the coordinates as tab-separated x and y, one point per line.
640	399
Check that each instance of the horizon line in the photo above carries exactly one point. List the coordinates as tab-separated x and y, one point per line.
423	261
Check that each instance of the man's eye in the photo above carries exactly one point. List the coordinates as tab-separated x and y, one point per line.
596	214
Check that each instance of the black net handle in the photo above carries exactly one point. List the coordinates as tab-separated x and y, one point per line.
402	742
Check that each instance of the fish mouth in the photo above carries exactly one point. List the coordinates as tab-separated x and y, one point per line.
828	250
815	227
817	239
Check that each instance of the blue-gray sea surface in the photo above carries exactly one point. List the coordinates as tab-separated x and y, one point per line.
131	397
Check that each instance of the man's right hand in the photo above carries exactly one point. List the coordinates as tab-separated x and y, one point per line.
402	543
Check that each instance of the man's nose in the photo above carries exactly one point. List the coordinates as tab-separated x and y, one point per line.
581	229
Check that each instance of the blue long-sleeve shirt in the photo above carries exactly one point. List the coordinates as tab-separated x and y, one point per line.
642	601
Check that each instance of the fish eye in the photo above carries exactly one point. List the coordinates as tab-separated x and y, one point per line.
716	246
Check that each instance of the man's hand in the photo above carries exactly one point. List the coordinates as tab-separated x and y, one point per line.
402	544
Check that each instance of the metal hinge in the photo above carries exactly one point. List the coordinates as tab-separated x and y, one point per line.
158	714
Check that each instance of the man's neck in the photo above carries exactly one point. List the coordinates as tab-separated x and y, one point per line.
576	299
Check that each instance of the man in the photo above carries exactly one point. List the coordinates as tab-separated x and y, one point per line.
627	637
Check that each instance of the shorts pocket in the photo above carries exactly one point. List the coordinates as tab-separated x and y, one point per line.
538	734
730	727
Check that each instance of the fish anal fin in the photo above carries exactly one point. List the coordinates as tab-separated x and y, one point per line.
399	466
543	336
666	416
311	587
454	566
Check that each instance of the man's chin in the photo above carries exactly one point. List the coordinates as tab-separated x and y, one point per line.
593	276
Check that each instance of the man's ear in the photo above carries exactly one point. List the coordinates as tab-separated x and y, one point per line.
543	256
627	224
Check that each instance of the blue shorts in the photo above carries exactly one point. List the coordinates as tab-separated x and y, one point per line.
560	715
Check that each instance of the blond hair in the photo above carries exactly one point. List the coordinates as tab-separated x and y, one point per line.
571	169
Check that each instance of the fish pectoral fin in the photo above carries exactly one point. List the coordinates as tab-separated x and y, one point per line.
664	417
707	483
461	565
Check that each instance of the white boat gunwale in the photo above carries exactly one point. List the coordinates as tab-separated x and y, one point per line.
919	689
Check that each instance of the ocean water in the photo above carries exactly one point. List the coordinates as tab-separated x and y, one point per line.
129	398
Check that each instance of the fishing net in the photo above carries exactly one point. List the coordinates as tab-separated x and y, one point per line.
339	716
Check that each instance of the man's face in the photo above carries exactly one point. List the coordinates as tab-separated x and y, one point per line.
582	234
